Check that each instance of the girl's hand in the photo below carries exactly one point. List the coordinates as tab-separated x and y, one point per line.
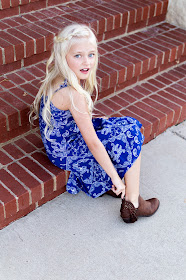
118	187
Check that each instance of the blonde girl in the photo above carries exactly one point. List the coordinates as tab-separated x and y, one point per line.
97	151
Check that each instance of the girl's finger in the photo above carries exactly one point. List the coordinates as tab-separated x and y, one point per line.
122	195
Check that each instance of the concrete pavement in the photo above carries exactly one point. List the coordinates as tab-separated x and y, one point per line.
79	238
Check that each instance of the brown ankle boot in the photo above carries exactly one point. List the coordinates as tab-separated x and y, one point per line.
146	208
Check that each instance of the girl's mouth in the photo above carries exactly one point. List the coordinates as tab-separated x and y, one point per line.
84	70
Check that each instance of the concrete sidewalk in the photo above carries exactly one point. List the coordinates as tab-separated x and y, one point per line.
79	238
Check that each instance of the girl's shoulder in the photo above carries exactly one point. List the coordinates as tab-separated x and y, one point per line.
61	97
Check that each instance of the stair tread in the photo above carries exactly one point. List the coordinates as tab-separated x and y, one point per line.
32	33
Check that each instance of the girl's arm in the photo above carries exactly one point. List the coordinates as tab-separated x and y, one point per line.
84	123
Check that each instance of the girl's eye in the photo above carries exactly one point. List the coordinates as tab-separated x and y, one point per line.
77	55
91	55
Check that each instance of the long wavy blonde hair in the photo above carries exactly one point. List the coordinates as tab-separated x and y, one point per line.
57	67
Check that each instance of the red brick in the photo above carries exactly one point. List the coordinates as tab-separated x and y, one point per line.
116	115
56	2
9	201
159	115
32	7
36	58
152	119
5	4
19	105
14	3
17	216
180	87
4	159
24	2
171	97
158	106
38	171
126	84
30	17
136	26
3	25
27	179
25	145
176	93
4	82
165	5
133	64
9	12
19	20
156	83
149	87
134	93
163	80
113	68
101	22
119	100
39	40
105	76
15	78
114	106
113	13
35	140
8	51
52	196
177	74
13	151
1	213
26	98
104	109
172	106
10	22
30	89
59	174
16	188
115	32
11	114
126	97
156	19
9	67
18	45
28	41
105	93
48	35
109	18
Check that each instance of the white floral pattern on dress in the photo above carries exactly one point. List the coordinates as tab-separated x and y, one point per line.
121	138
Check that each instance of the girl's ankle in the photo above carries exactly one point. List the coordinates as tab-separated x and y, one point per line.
134	201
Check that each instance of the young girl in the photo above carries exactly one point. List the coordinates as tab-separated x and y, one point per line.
99	152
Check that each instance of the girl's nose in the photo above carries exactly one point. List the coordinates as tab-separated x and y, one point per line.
86	60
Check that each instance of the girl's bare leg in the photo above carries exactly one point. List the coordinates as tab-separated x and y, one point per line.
132	180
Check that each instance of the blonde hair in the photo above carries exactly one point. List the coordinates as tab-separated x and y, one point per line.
57	67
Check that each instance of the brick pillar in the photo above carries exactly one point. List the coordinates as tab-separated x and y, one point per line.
177	12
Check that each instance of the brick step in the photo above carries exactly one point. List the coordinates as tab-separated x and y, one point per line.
9	8
27	39
123	61
28	179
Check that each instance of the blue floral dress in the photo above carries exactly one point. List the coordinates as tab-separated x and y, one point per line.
67	149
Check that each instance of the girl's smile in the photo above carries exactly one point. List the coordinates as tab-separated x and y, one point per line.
81	58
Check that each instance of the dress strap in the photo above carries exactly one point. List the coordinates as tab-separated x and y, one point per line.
65	84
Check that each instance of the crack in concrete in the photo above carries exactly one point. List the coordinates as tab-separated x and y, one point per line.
179	135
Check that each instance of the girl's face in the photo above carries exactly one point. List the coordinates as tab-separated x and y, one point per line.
81	58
